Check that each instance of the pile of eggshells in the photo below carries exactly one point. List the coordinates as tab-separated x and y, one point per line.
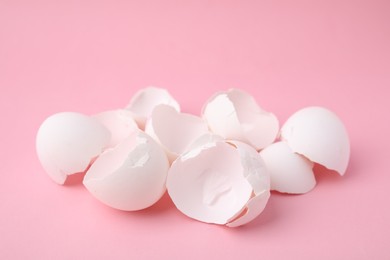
218	168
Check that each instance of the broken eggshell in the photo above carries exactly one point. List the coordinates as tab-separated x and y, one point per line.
68	142
119	122
219	183
131	176
319	135
290	172
257	175
146	99
234	114
164	124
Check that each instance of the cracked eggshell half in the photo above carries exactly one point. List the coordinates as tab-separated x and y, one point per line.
319	135
131	176
290	172
234	114
173	130
119	122
212	183
146	99
68	142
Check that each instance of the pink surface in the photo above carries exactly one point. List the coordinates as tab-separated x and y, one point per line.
90	56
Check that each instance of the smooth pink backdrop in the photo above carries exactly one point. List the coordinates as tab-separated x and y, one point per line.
90	56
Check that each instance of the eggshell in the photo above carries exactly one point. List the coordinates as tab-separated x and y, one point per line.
145	100
173	130
236	115
319	135
67	142
131	176
212	184
257	175
254	207
119	122
289	171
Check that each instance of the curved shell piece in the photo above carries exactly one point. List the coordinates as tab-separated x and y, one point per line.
67	142
319	135
216	182
131	176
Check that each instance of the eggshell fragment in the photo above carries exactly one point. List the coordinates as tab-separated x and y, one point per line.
173	130
67	142
131	176
145	100
120	122
236	115
290	172
319	135
257	175
212	184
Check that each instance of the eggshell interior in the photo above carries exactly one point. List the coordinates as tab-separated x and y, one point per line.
210	186
236	115
67	142
290	172
130	176
146	99
119	122
173	130
319	135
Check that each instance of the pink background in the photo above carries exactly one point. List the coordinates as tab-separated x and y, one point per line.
90	56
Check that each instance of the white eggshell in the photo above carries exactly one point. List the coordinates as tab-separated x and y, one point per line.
236	115
319	135
257	175
213	185
145	100
173	130
120	123
67	142
130	176
253	208
290	172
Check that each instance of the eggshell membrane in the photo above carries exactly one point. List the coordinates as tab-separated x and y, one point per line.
236	115
67	142
319	135
131	176
213	186
289	171
146	99
173	130
119	122
257	175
